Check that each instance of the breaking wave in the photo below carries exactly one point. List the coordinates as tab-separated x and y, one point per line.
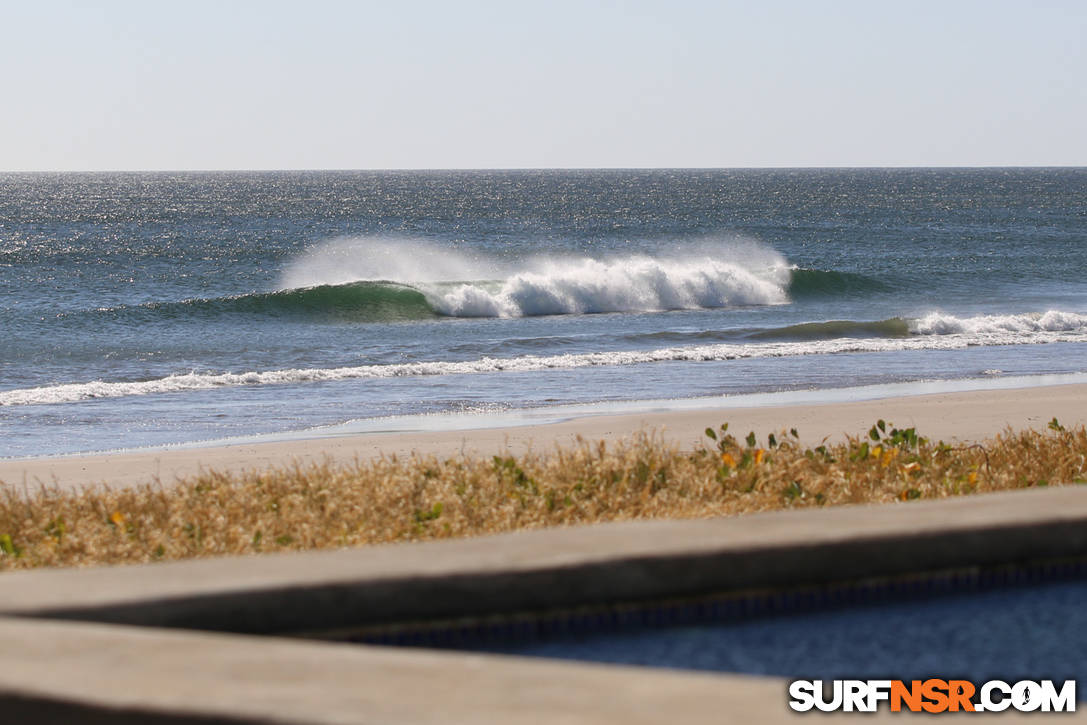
458	284
636	284
806	283
441	283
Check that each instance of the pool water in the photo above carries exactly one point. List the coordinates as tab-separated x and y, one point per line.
1037	632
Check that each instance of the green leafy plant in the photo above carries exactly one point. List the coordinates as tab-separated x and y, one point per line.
898	438
8	546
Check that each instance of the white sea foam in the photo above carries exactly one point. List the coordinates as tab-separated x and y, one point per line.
633	284
933	332
999	325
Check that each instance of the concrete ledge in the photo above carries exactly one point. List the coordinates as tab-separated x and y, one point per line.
65	672
560	568
91	672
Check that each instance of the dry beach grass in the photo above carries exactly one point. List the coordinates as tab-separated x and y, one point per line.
394	499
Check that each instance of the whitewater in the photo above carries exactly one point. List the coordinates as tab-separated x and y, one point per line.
933	332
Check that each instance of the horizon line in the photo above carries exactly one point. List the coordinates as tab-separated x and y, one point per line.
534	168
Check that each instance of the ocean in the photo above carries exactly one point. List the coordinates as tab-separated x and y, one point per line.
152	309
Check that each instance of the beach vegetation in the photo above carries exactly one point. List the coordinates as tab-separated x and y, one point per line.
394	499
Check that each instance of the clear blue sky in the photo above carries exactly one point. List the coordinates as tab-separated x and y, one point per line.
466	84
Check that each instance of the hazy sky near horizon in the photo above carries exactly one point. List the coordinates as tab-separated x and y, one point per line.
479	84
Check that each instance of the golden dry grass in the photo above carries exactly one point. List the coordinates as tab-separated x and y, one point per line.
331	506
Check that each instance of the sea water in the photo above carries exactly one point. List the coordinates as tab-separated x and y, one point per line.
160	308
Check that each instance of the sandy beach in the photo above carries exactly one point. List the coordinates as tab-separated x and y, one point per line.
963	416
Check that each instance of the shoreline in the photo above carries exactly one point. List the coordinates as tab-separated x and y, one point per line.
963	416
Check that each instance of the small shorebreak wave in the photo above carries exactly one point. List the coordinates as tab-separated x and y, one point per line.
983	327
980	330
894	327
935	331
